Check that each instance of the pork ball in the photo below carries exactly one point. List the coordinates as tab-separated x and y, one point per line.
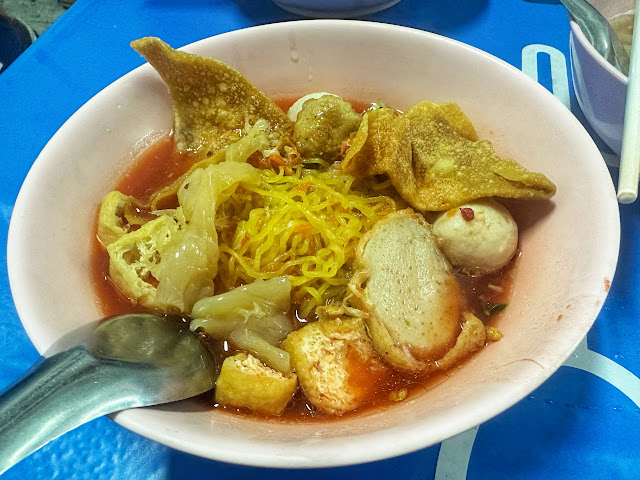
323	125
478	237
294	109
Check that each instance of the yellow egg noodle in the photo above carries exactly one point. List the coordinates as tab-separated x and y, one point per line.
305	226
293	221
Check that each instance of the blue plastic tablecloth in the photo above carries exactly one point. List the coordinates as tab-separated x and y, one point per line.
582	423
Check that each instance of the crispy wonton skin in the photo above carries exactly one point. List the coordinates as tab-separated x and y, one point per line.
211	101
366	157
432	155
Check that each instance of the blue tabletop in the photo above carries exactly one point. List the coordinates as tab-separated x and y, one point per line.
582	423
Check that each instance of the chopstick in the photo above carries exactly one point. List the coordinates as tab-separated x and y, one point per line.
629	173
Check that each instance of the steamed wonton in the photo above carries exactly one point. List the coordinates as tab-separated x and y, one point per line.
432	155
169	263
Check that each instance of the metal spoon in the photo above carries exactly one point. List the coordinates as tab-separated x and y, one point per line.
599	33
127	361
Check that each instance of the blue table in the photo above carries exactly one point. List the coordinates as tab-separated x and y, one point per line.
582	423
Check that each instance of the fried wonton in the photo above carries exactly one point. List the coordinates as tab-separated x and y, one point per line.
365	156
432	155
212	102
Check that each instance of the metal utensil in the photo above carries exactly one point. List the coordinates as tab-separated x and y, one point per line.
599	33
127	361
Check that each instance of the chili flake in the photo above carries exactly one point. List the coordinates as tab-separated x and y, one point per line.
467	213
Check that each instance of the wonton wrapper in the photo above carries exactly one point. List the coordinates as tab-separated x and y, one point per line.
471	339
433	158
211	101
366	157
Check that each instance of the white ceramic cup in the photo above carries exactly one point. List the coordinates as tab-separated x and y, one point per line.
600	88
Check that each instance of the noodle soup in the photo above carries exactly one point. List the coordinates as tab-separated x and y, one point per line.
541	323
330	257
487	294
622	25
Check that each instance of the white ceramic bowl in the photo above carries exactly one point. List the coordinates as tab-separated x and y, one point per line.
600	88
569	244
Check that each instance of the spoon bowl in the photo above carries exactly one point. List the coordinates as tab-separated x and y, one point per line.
599	33
127	361
163	346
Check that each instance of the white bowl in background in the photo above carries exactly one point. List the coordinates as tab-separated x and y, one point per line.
334	8
569	244
600	88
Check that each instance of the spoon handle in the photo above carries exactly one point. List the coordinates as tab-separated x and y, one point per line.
63	392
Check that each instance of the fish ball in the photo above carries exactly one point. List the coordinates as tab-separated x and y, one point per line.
478	237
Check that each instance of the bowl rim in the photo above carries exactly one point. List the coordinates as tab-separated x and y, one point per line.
586	44
374	446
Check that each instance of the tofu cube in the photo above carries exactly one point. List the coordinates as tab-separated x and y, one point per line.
336	364
245	382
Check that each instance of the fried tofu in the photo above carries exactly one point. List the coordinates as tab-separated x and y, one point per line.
112	223
135	259
336	364
245	382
